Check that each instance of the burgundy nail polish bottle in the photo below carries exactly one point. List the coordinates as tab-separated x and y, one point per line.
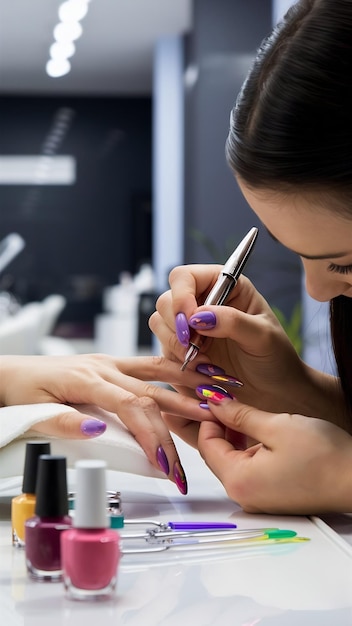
91	550
42	532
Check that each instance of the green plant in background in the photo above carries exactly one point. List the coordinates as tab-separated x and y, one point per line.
218	255
292	326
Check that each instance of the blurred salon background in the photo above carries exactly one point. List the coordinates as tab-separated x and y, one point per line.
113	120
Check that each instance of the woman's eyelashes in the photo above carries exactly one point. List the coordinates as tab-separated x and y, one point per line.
340	269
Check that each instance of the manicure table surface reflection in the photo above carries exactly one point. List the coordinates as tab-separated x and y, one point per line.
285	584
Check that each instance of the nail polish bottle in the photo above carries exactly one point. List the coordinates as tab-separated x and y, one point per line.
90	550
115	513
22	506
42	532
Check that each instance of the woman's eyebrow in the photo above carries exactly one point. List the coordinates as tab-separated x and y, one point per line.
312	257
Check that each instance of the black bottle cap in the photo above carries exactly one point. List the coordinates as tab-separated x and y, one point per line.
51	487
33	451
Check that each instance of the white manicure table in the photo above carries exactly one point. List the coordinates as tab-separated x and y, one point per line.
299	584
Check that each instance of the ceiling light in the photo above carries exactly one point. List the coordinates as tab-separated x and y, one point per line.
73	10
67	31
58	67
62	50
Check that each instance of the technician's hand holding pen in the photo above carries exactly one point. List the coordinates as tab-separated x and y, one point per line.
288	469
244	340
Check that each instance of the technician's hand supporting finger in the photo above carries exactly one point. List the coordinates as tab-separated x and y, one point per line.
289	471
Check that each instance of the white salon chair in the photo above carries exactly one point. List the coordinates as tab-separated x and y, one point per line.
19	333
48	344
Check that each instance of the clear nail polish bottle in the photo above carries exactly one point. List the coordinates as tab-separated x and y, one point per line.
22	506
91	550
42	532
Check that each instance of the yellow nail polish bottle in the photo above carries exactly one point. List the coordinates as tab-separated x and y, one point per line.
22	506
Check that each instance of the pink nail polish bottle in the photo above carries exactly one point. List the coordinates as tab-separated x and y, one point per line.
42	532
91	550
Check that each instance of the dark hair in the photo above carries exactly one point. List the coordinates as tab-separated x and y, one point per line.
291	126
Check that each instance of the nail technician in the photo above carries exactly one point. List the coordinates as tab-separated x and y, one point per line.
290	148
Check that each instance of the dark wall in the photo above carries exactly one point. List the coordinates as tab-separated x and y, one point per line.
79	238
221	48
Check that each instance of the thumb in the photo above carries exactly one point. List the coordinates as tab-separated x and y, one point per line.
257	424
71	425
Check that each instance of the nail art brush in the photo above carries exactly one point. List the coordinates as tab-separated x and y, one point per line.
198	542
172	536
183	525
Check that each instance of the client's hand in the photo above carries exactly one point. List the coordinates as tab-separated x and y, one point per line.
120	386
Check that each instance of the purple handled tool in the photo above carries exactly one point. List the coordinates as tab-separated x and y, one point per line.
199	525
179	526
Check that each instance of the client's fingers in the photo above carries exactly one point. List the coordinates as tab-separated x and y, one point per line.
185	429
71	425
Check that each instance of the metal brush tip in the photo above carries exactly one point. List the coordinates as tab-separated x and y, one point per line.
190	355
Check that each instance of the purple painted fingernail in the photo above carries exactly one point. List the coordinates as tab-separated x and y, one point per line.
218	374
209	369
204	320
182	329
204	405
92	427
212	392
180	478
162	460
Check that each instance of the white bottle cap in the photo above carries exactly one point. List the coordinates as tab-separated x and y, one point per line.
90	504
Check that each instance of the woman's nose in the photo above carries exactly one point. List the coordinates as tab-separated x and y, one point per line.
323	285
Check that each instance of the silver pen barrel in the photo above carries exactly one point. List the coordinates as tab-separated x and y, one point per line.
227	280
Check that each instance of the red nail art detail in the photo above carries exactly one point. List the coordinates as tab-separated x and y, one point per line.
180	478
